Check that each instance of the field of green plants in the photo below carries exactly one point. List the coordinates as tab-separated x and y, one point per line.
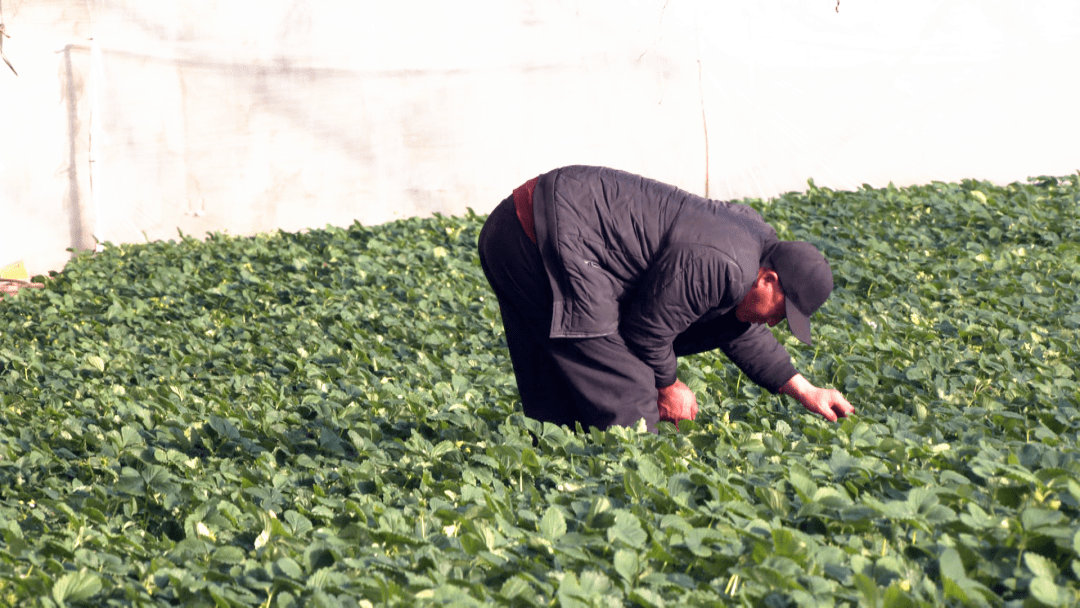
329	418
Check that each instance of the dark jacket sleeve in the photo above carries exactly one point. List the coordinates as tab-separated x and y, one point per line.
752	348
703	336
678	289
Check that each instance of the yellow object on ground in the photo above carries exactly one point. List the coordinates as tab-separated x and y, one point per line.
14	277
16	271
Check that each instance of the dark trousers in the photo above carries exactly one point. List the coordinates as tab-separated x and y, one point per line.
595	381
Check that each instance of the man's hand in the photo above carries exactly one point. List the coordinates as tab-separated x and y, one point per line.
827	402
676	402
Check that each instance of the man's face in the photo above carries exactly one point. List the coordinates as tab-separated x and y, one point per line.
764	303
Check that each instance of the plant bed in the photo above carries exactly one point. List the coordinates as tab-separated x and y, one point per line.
330	418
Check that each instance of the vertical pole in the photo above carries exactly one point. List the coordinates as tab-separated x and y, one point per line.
79	221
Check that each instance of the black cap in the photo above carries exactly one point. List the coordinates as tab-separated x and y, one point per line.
805	278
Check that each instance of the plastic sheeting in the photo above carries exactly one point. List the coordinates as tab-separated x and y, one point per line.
129	120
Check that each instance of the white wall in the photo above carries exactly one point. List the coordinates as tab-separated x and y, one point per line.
131	119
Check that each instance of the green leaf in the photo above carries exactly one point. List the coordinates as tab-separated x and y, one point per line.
76	587
298	524
646	597
786	544
1040	566
229	555
575	593
1034	518
955	590
650	473
553	524
868	588
290	568
627	564
800	478
1047	592
514	587
895	597
96	362
952	566
594	584
627	530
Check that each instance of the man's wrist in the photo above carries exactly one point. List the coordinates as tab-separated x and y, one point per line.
669	387
797	387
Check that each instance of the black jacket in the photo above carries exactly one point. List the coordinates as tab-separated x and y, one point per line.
662	266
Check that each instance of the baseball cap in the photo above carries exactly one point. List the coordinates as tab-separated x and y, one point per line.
806	280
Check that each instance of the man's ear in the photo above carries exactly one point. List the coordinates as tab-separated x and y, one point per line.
770	281
768	275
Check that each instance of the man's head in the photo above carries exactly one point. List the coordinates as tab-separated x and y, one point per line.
794	282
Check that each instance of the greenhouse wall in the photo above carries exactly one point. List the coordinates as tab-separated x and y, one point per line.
133	120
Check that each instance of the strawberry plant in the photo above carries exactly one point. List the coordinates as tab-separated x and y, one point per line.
329	418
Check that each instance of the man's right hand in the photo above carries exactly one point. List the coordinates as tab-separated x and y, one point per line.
676	402
826	402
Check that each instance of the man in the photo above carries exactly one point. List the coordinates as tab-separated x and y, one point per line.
604	278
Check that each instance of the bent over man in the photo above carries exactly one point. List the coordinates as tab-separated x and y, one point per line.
604	278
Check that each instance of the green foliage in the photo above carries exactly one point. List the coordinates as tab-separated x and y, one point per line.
329	418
